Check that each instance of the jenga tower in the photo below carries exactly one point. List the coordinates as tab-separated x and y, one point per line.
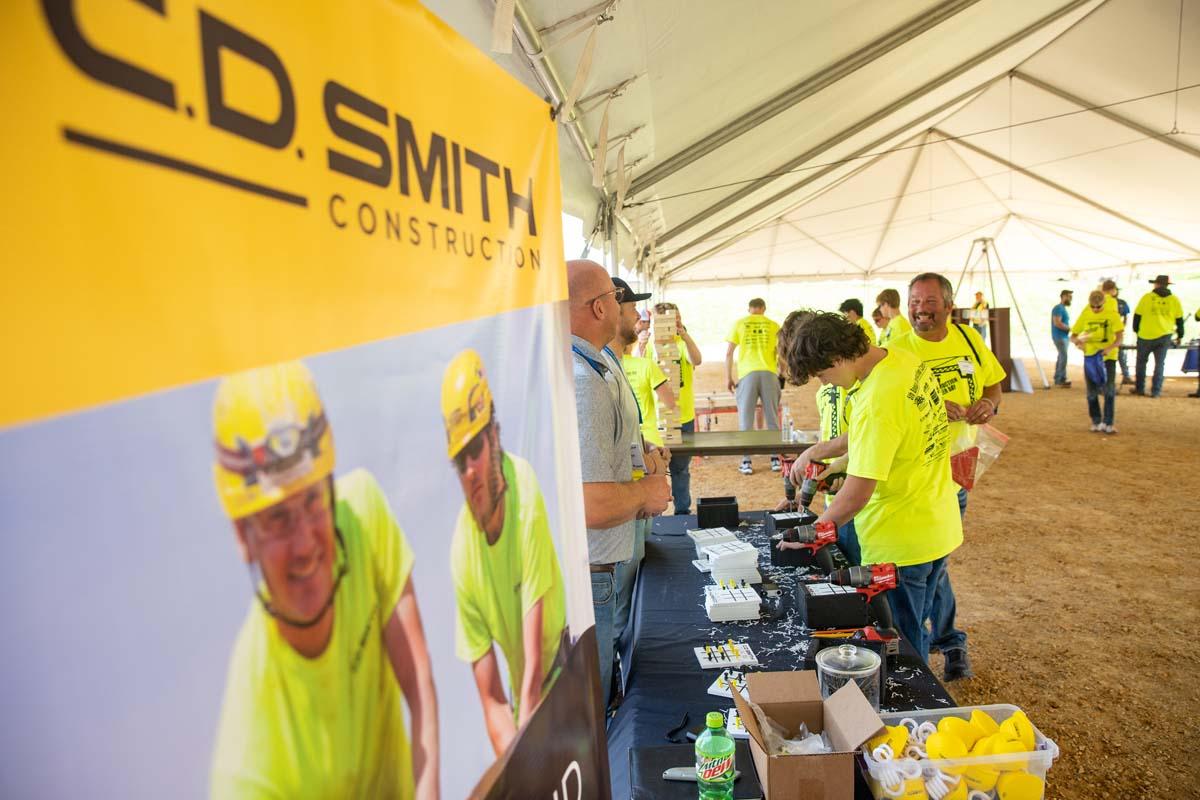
667	355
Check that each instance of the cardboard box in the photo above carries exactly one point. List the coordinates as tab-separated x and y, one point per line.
790	698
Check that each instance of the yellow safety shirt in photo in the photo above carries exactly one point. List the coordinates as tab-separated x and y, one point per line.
755	336
685	395
1158	315
868	328
645	376
831	400
963	366
899	436
496	585
331	726
1102	328
897	326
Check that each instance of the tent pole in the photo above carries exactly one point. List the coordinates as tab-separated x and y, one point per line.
1004	274
963	274
991	279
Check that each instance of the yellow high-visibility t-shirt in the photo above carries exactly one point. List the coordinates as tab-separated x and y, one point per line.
900	437
1102	328
963	366
1158	315
331	726
868	328
756	338
831	401
645	376
685	394
495	586
897	326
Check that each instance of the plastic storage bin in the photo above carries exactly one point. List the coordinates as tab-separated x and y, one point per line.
980	775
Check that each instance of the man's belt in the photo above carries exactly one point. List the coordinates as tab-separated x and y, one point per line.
609	568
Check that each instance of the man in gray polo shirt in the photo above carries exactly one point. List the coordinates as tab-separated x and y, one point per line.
608	423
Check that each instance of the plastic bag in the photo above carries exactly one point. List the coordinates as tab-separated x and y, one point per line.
969	464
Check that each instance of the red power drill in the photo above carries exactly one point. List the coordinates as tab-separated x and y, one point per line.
871	581
813	541
811	484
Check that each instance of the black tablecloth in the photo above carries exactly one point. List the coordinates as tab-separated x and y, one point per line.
664	679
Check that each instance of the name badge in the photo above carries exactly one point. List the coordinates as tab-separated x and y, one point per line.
966	368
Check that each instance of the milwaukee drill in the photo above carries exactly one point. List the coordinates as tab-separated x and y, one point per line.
871	581
813	541
811	484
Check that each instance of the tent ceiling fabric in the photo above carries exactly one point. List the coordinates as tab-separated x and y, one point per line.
843	140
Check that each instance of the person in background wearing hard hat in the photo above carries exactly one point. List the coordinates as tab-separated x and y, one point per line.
507	583
755	338
313	708
889	307
1158	315
853	310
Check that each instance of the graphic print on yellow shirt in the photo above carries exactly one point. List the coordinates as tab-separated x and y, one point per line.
330	726
963	366
830	410
756	338
899	436
1101	328
1158	315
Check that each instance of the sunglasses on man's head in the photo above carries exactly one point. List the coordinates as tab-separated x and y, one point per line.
616	292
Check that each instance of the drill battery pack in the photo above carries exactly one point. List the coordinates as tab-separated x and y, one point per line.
825	606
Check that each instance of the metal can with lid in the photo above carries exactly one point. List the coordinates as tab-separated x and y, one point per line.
837	666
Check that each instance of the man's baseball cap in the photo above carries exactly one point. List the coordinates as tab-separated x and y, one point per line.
630	295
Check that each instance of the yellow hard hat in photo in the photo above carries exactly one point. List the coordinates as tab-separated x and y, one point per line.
271	435
466	400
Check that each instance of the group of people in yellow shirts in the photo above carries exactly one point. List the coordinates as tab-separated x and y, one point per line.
332	650
895	410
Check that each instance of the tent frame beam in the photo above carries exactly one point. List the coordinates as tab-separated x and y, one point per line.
1064	190
821	173
1165	137
757	185
814	83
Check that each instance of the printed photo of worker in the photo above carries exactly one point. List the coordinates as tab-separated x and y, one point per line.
508	587
332	650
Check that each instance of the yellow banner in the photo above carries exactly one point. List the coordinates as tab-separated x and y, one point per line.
196	189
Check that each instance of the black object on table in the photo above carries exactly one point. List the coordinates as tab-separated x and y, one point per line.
664	680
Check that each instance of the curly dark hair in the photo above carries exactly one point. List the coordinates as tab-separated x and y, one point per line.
811	341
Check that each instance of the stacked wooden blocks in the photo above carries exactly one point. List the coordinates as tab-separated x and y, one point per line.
666	353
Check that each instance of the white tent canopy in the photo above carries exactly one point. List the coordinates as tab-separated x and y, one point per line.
782	140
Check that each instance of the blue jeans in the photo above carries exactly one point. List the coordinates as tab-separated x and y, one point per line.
944	635
681	475
626	575
1145	347
1123	357
912	601
604	601
1060	366
1110	395
982	331
848	543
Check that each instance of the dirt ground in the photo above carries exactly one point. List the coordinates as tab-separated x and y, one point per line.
1077	581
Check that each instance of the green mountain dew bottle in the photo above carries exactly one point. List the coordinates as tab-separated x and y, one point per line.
714	759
